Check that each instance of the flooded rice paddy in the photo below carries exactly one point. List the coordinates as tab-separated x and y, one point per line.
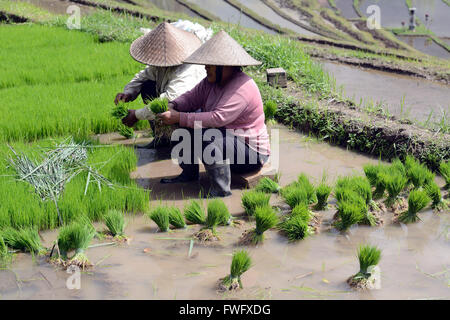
414	265
173	6
402	96
426	45
346	8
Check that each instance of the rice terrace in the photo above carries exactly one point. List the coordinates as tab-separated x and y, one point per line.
348	199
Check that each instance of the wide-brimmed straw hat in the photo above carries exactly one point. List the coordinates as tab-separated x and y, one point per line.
221	50
164	46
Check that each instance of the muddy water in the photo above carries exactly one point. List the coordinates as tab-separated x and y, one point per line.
293	13
230	14
60	7
172	5
426	45
346	8
414	261
421	97
439	15
265	11
393	12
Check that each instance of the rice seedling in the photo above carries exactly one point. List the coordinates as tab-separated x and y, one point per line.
369	257
444	169
303	181
75	236
295	228
115	222
119	111
160	215
24	239
418	200
395	183
294	195
159	105
240	263
359	185
176	218
126	132
349	213
217	214
419	175
322	193
270	109
266	218
434	192
267	185
371	171
5	256
253	199
303	211
194	213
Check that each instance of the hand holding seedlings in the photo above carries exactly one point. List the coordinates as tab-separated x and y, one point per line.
122	97
369	257
240	263
130	119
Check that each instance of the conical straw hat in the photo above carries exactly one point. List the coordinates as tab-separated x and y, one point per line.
164	46
221	50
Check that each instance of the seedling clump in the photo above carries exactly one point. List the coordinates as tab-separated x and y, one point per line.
159	105
294	195
5	256
253	199
176	218
444	169
322	193
240	263
434	192
160	215
304	182
194	213
395	182
24	239
369	257
115	222
418	174
266	219
217	214
75	236
267	185
295	226
119	111
418	200
349	213
126	132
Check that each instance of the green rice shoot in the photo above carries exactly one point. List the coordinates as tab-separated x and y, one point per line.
194	213
368	256
159	105
434	192
349	213
266	218
294	195
253	199
322	193
303	182
270	109
24	239
217	214
395	183
176	218
267	185
444	169
417	201
240	263
5	255
119	111
295	228
302	211
126	132
115	222
160	215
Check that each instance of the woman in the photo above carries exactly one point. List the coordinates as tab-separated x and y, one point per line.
229	100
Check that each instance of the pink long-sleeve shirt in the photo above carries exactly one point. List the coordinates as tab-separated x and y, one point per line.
237	105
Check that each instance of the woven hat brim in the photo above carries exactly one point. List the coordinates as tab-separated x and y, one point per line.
222	50
164	46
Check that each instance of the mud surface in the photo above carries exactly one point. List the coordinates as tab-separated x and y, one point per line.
414	263
421	97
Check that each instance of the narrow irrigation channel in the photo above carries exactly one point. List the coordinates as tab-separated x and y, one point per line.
402	96
155	265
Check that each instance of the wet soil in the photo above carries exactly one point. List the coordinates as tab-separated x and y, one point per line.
154	265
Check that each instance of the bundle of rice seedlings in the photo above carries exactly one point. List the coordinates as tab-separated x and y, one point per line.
266	218
159	105
194	213
267	185
217	214
434	192
270	109
24	239
115	222
398	167
240	263
295	227
395	182
176	218
349	213
294	195
371	172
119	111
303	181
125	131
359	185
380	186
5	256
75	236
160	215
368	256
253	199
418	200
419	175
303	211
444	169
322	193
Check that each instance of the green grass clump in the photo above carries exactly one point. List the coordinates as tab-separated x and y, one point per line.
159	105
76	236
270	109
444	169
418	200
217	214
294	195
349	213
115	222
266	219
176	218
395	182
160	215
194	213
295	227
24	239
267	185
240	263
253	199
322	193
368	256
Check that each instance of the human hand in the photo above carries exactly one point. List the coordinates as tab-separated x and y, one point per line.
122	97
130	120
169	117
